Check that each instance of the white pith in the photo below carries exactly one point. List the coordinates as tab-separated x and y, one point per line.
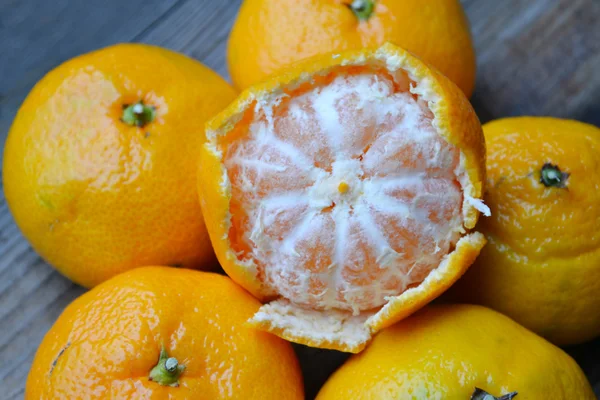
306	197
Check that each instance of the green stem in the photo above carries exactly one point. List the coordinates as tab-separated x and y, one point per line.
552	176
138	114
167	371
362	9
480	394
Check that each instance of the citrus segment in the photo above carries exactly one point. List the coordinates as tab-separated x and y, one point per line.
346	249
343	193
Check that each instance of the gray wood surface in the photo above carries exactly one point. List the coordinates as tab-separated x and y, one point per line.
536	57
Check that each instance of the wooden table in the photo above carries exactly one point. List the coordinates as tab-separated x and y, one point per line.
538	57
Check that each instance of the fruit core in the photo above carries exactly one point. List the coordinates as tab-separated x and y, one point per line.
343	193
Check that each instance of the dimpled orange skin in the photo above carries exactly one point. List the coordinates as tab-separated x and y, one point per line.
446	351
106	342
269	35
95	196
541	266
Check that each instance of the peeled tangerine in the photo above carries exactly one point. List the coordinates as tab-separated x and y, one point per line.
343	193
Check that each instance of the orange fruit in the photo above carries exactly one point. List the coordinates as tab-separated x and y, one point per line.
542	264
158	333
345	190
100	162
270	35
458	352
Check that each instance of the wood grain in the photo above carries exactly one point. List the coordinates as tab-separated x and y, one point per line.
536	57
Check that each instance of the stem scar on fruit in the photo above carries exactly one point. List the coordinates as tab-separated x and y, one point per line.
480	394
138	114
167	371
362	9
552	176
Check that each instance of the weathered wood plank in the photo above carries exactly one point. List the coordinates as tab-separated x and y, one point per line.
198	29
21	348
534	57
537	58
